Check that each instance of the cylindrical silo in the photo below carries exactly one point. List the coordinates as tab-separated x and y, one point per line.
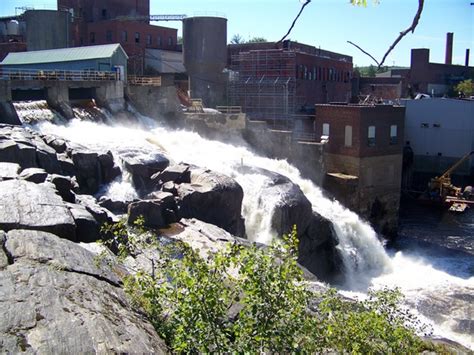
205	57
47	29
13	28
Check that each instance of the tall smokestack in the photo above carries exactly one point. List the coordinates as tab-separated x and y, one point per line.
467	57
449	48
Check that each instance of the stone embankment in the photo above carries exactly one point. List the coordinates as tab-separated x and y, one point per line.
54	293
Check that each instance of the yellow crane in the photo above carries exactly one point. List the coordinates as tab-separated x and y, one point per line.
442	184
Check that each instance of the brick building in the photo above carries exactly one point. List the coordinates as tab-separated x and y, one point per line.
363	157
119	21
435	79
274	80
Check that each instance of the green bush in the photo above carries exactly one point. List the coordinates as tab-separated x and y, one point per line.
255	299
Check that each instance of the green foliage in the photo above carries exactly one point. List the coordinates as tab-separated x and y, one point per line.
238	39
466	87
257	40
255	299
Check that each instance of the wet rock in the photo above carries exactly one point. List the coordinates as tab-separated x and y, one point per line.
87	228
175	173
26	205
143	167
88	171
317	249
56	297
157	213
64	186
22	154
100	214
67	165
213	198
169	187
36	175
114	205
58	144
4	262
108	169
9	171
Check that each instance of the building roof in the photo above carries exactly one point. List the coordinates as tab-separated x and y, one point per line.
63	54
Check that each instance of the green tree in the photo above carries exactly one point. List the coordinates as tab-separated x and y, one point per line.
257	40
237	39
466	87
255	299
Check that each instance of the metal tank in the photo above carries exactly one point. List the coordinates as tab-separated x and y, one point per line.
205	57
47	29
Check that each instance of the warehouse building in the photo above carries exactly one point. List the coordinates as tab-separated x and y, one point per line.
103	58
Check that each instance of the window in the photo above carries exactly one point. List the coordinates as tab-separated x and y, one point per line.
104	13
124	36
148	40
371	136
92	37
393	134
159	42
348	136
137	37
425	125
108	36
170	41
326	129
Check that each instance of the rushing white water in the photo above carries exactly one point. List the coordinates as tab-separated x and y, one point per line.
366	262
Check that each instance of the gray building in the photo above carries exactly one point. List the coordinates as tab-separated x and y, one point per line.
109	57
440	131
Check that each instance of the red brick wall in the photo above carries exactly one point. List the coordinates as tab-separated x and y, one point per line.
385	88
93	10
360	118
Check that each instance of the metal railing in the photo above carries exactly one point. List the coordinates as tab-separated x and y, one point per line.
54	75
144	80
229	109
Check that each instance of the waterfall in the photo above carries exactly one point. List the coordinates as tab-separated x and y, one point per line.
436	291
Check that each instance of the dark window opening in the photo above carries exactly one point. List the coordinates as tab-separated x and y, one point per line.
104	13
170	41
124	36
159	41
137	37
92	37
148	40
108	36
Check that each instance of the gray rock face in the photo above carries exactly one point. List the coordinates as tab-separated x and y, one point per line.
88	171
100	214
36	175
9	171
213	198
143	167
114	206
87	228
64	186
157	213
19	153
54	298
25	205
176	173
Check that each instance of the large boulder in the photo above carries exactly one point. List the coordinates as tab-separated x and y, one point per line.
142	167
87	228
88	171
22	154
26	205
157	212
36	175
64	186
56	297
213	198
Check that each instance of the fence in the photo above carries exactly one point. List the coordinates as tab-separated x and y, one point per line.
229	109
54	75
144	80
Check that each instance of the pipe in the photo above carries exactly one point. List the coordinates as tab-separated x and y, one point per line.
467	57
449	48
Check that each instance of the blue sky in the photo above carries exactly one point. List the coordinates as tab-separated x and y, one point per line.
331	23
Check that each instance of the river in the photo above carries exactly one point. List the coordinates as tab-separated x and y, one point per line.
436	278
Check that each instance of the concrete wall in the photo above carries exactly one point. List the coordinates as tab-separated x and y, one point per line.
152	101
220	122
7	111
308	157
370	186
440	132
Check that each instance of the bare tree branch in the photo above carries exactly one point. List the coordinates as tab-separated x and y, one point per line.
294	21
411	29
370	55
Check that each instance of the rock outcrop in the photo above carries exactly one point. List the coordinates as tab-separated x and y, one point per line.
213	198
56	298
